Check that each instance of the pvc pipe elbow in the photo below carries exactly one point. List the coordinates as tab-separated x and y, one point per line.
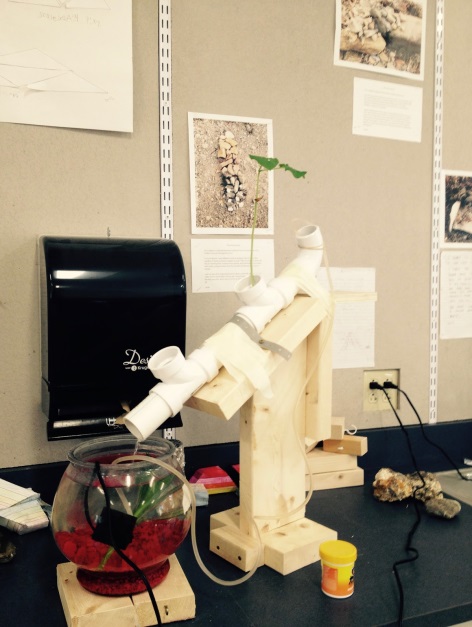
309	237
310	243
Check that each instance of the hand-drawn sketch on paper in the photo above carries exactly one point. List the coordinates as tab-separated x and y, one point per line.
32	69
67	63
70	4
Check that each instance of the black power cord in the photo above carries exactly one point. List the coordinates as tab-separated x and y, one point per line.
388	385
115	545
409	548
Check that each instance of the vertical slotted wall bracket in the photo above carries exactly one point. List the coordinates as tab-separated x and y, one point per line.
435	223
165	131
165	118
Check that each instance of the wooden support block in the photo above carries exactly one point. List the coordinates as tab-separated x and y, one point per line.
324	461
174	596
338	479
337	428
350	444
85	609
310	444
82	608
272	467
236	547
285	549
229	517
272	471
295	545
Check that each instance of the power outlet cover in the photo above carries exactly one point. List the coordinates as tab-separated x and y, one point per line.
376	400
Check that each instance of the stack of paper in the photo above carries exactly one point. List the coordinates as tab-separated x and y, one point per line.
20	509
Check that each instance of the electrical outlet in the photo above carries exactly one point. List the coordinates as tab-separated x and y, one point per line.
375	400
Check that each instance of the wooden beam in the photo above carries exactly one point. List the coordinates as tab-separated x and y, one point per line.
336	479
325	461
223	396
350	444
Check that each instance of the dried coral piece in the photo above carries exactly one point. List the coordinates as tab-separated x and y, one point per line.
444	508
390	486
431	488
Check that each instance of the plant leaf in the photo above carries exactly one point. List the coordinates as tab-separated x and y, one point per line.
269	163
298	174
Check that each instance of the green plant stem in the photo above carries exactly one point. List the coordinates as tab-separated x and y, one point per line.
254	222
266	164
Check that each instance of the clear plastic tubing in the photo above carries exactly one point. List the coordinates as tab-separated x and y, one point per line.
157	462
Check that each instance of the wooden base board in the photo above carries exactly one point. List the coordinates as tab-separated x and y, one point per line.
337	479
82	608
325	461
285	549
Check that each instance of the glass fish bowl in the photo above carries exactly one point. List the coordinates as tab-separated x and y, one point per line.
118	519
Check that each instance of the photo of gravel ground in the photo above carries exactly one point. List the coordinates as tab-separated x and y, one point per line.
225	176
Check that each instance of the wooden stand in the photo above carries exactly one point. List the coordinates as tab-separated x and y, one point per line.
272	437
82	608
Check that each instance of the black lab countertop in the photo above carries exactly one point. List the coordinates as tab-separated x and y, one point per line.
437	586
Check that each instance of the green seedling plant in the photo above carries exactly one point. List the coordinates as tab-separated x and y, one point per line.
265	164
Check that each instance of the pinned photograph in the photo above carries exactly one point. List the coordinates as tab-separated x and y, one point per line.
386	36
456	208
223	176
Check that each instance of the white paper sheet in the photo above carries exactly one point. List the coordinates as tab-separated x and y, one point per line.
456	295
354	322
20	509
67	63
387	110
217	264
11	494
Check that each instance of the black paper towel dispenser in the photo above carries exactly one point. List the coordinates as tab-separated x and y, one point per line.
107	305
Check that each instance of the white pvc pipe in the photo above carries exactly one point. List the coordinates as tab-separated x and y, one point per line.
181	378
